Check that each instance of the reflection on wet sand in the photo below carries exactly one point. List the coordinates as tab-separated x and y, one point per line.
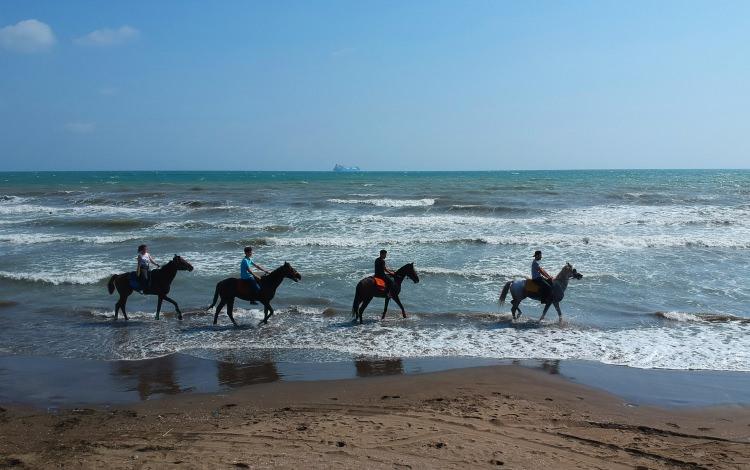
230	374
551	366
153	376
374	367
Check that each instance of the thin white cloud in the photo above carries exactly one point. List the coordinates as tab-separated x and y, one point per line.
80	127
108	37
27	36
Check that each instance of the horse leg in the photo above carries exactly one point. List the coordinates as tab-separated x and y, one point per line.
230	306
398	301
362	308
123	300
513	308
158	305
176	307
267	312
559	312
218	309
385	307
544	312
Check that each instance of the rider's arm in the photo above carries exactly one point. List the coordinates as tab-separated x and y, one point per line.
152	260
544	273
260	267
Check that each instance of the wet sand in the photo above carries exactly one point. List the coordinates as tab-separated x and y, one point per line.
498	416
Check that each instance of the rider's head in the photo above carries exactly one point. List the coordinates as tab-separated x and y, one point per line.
142	248
383	253
538	255
248	250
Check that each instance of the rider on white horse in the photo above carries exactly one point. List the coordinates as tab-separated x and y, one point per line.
540	276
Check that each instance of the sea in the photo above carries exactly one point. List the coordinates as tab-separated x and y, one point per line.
664	257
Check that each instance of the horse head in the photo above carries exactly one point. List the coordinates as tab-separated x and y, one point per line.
408	270
568	272
181	263
291	273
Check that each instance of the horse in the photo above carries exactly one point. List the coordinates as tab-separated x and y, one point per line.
559	284
161	279
232	287
367	289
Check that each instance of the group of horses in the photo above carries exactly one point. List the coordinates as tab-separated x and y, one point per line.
368	288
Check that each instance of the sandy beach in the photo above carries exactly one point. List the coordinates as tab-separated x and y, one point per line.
499	416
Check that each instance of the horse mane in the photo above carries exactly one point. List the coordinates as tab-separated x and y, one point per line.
564	268
403	268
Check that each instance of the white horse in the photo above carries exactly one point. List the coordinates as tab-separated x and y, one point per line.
518	290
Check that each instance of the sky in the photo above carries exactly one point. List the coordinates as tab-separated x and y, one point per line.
387	85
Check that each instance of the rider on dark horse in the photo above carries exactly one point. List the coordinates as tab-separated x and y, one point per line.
245	269
143	269
540	276
382	272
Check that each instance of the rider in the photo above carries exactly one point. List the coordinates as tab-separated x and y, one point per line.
382	272
540	276
144	265
246	273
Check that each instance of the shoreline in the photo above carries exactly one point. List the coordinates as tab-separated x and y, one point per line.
489	416
59	383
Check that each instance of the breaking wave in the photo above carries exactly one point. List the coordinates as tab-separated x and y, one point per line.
387	202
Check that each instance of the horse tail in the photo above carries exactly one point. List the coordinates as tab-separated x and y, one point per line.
111	284
504	293
216	296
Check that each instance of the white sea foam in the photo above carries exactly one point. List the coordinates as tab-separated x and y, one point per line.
387	202
73	276
35	238
523	239
697	346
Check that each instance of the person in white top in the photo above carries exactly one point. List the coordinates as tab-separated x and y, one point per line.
144	266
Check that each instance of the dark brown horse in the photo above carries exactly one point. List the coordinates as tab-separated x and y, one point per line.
232	287
161	279
367	289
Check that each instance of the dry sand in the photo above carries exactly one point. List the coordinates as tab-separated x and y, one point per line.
503	416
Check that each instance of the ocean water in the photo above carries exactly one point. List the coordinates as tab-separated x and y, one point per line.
664	256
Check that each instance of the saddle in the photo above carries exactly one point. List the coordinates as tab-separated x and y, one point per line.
533	290
244	289
531	287
379	284
135	283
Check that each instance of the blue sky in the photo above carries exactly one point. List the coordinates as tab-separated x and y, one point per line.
467	85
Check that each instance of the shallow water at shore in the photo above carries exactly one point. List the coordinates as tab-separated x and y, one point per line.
54	383
657	250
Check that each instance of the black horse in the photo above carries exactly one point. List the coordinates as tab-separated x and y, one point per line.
161	279
232	287
367	289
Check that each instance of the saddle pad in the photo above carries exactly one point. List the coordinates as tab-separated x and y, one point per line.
243	287
133	280
379	283
531	286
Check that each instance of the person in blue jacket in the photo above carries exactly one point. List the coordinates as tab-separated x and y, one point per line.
246	266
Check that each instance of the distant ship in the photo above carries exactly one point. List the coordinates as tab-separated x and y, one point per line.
344	169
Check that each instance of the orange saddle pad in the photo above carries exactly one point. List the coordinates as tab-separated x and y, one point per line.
379	283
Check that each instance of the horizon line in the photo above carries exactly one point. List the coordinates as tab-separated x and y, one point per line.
375	171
